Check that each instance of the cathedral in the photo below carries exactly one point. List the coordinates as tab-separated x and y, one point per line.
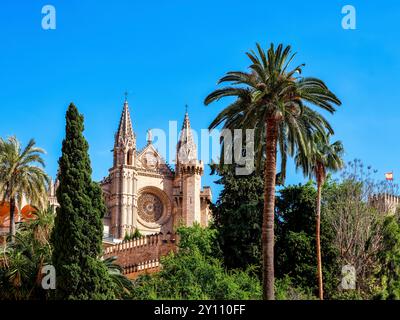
142	192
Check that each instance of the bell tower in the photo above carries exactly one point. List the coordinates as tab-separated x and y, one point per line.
123	177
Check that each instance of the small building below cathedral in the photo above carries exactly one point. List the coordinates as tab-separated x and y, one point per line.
142	192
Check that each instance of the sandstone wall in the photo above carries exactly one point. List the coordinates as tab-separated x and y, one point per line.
142	255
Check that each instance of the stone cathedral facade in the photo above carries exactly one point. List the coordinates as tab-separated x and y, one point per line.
143	192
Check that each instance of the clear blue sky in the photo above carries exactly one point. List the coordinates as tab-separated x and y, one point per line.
171	53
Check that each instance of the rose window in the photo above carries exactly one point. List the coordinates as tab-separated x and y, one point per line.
150	207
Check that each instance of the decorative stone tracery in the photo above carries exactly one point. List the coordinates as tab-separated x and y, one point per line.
150	207
153	207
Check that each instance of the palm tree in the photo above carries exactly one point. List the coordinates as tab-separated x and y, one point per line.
322	157
271	99
21	176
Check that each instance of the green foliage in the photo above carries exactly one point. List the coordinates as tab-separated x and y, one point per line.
122	285
349	295
295	240
356	223
78	231
344	200
237	216
193	273
285	290
21	176
21	261
389	257
321	157
197	238
135	235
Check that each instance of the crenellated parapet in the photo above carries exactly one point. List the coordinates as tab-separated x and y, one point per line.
206	193
133	271
142	254
385	202
192	167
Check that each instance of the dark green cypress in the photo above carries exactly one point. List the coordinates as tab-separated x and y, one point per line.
78	231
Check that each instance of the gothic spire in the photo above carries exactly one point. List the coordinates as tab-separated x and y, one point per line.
125	131
186	149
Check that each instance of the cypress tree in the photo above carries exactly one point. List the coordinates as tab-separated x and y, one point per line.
78	231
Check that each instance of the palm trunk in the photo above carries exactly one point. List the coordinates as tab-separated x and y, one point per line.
318	238
269	210
12	219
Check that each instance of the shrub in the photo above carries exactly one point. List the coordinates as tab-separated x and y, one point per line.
193	273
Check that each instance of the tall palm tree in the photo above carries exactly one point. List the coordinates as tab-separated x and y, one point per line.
21	176
322	157
272	99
